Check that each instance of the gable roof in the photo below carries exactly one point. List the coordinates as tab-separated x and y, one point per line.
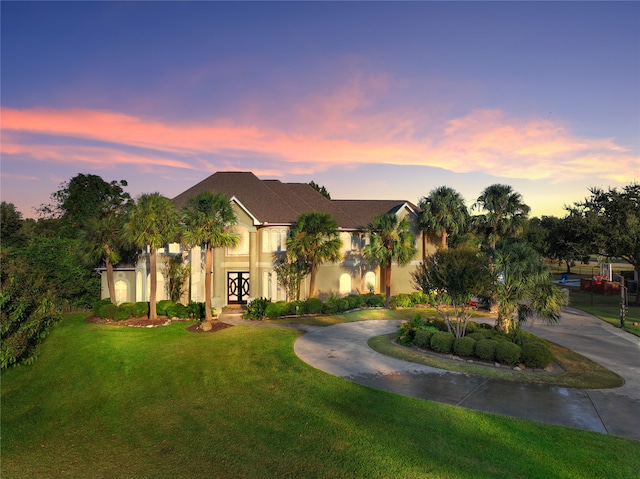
274	202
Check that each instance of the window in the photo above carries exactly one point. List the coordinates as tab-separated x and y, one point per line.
122	292
243	245
274	240
345	283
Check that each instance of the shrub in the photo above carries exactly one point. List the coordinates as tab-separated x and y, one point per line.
330	306
438	323
107	310
343	305
407	332
442	341
197	310
180	311
293	308
373	300
477	336
355	301
124	311
256	308
312	306
275	310
423	337
464	346
161	307
536	354
401	301
98	304
472	327
508	353
140	309
418	297
520	336
486	349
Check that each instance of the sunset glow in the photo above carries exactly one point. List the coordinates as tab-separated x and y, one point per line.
394	124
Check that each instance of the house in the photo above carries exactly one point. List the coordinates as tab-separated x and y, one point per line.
266	210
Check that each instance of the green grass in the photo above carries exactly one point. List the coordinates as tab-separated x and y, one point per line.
115	402
365	314
578	371
606	308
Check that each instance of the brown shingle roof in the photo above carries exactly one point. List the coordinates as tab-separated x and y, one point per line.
274	202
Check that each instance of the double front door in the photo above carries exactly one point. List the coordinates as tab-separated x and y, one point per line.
238	287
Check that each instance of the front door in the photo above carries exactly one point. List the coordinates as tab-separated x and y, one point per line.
238	287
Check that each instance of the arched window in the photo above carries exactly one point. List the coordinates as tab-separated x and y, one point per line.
122	292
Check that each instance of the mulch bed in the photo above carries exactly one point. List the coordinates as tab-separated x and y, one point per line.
145	322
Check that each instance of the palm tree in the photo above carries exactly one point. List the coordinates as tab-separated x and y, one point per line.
390	240
523	288
443	212
101	240
152	222
505	216
314	240
208	219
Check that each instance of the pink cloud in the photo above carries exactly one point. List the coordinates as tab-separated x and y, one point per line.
486	141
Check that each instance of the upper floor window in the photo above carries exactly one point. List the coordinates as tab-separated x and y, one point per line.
243	246
274	240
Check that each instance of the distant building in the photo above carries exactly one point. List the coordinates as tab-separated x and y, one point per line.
266	210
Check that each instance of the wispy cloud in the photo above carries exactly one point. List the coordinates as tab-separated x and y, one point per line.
488	141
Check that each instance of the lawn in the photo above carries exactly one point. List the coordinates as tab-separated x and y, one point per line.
114	402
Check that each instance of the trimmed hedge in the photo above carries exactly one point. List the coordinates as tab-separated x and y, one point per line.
486	349
312	306
442	342
508	353
423	337
536	355
464	346
140	309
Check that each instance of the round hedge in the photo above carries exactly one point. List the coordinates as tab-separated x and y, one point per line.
442	341
464	346
476	336
423	338
508	353
536	355
312	306
486	349
161	307
141	308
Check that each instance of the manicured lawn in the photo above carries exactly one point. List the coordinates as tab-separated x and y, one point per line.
606	308
115	402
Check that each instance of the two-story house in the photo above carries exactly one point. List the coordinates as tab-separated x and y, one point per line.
266	210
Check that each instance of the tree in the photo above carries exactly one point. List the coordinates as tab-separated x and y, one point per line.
567	239
523	287
100	241
208	219
613	219
29	307
443	212
314	240
391	241
84	197
10	224
289	275
151	222
455	276
505	213
320	189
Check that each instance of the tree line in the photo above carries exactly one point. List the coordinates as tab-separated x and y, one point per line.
49	264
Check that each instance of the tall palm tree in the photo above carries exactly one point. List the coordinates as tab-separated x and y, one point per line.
506	213
152	222
101	240
314	240
391	241
443	212
523	288
208	219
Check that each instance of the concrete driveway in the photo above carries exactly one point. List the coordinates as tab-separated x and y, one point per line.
342	350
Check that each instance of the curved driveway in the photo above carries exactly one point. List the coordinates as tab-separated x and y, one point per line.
342	350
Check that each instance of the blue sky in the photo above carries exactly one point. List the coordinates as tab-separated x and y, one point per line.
370	99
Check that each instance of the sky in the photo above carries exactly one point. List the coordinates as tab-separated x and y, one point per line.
373	100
